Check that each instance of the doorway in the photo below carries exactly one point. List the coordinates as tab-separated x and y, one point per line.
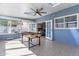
41	28
46	29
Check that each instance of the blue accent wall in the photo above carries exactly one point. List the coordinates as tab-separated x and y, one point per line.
66	36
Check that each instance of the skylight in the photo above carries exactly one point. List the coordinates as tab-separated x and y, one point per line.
54	4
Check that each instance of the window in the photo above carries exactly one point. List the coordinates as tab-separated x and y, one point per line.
66	22
71	25
9	26
71	18
32	27
71	21
61	20
3	26
59	23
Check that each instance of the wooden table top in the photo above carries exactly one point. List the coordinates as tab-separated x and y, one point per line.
32	34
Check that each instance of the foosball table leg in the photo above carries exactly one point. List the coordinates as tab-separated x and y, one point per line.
39	40
29	43
31	40
22	38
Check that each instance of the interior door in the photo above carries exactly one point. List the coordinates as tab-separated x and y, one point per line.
49	29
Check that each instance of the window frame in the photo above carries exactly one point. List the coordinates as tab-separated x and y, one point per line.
58	23
64	23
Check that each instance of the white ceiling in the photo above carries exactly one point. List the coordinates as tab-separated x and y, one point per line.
18	9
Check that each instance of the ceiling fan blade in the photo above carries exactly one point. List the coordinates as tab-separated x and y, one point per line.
39	14
37	10
32	9
29	13
43	12
26	13
40	9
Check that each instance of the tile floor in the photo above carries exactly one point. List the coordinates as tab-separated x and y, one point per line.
47	48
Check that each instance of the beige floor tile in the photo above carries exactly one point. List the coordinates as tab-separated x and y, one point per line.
47	48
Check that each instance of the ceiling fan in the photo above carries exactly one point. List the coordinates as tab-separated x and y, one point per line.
35	12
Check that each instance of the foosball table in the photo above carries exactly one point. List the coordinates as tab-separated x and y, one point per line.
30	36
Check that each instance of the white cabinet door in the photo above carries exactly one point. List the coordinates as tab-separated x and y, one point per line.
49	29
